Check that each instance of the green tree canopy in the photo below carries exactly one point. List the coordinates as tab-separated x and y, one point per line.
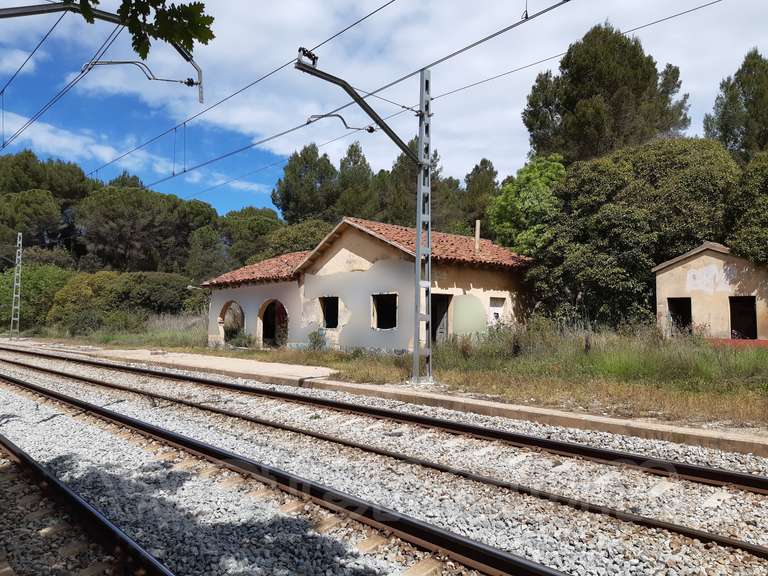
34	213
481	187
740	116
609	94
183	23
294	238
308	188
208	255
750	232
625	212
521	216
246	230
357	195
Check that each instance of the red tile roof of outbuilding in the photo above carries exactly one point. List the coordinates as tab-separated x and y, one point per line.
445	247
448	248
275	269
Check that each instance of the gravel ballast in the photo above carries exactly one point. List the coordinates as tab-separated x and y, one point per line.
723	511
563	538
37	536
736	461
193	524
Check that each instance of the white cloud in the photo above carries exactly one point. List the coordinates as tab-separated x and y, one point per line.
12	58
483	122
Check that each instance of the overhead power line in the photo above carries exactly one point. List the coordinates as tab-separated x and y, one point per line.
105	46
525	19
31	54
460	89
237	92
561	54
18	70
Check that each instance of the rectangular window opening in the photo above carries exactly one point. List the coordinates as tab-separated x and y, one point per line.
384	311
680	314
330	307
743	317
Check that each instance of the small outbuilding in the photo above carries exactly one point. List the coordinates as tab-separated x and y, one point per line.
356	288
710	290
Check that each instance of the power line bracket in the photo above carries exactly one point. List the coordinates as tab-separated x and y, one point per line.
311	69
38	9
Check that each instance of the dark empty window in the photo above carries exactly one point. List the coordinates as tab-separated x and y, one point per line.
385	311
743	317
680	313
330	306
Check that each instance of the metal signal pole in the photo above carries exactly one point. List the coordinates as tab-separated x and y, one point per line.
307	62
16	298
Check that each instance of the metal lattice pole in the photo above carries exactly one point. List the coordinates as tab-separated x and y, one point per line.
16	300
423	233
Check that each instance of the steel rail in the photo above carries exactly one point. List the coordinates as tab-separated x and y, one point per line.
581	505
658	466
472	553
132	558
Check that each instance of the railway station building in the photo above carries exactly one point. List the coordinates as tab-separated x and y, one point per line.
713	292
356	287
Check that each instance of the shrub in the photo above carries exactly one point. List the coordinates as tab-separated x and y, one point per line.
241	340
317	341
39	284
157	292
53	256
197	301
81	304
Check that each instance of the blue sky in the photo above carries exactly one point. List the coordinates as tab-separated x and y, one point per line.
114	108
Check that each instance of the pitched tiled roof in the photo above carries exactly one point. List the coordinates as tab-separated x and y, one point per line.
445	247
272	270
450	248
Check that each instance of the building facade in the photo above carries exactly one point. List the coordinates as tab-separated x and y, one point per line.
713	292
357	288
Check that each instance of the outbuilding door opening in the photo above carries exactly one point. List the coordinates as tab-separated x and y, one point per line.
680	313
743	318
440	304
274	325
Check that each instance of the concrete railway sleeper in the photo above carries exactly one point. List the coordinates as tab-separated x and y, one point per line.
126	557
464	550
703	536
693	472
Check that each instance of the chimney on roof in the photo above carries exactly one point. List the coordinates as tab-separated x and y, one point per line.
477	236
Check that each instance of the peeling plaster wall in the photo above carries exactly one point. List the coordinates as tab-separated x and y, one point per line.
355	267
251	297
473	288
709	279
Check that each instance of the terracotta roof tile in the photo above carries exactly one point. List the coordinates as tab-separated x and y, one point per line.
445	247
272	270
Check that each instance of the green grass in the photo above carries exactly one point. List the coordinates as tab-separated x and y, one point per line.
632	372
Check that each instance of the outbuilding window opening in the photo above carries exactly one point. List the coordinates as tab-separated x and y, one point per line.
385	311
330	307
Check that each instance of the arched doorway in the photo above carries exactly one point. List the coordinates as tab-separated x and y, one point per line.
231	321
274	324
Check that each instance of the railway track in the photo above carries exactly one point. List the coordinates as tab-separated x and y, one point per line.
578	504
122	555
658	466
466	551
434	541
